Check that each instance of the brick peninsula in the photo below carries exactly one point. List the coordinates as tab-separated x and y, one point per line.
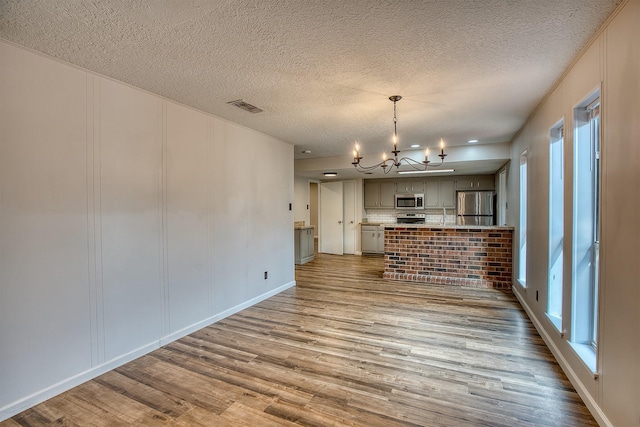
461	255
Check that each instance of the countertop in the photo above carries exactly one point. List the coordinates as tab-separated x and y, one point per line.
302	227
449	226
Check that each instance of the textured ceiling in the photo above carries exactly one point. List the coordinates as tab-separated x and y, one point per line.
323	71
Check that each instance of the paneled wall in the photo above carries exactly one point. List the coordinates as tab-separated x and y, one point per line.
611	63
126	221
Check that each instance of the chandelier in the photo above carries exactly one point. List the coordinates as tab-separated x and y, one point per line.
387	163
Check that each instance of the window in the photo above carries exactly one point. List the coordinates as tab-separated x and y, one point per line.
586	226
556	225
522	248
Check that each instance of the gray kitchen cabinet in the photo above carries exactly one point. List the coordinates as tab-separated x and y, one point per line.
432	195
379	194
447	193
372	239
478	182
304	244
371	194
409	187
388	194
440	193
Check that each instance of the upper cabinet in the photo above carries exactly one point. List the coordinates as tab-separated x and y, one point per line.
409	187
440	193
379	194
387	195
479	182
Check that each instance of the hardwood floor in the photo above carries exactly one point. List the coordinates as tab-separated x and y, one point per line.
343	348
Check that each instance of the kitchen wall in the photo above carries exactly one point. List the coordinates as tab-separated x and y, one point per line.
612	64
125	223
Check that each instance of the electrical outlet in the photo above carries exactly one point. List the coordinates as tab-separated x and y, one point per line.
266	275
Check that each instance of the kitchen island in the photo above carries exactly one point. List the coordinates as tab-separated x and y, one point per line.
461	255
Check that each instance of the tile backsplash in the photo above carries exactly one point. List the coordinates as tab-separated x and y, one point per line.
433	216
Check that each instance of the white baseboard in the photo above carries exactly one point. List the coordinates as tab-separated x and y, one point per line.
40	396
588	399
226	313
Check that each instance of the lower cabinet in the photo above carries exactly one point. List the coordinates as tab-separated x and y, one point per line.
304	245
372	239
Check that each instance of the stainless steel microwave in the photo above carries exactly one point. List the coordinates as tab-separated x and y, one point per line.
409	201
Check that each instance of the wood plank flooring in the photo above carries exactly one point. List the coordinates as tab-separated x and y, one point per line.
343	348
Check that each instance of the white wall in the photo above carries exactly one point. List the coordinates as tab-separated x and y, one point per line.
612	62
301	200
121	226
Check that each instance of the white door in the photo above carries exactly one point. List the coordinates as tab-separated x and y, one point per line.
349	216
331	220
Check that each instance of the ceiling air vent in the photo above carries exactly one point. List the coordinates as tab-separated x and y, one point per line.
246	106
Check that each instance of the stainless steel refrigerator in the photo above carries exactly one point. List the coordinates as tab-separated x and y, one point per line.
475	208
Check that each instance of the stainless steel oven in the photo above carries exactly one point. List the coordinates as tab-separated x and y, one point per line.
411	218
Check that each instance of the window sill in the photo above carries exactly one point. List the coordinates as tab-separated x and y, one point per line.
557	322
587	354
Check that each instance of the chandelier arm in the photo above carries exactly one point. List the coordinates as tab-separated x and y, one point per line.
414	163
439	164
427	165
383	164
366	168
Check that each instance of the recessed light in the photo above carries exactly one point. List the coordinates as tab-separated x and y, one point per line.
415	146
471	141
306	151
331	174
